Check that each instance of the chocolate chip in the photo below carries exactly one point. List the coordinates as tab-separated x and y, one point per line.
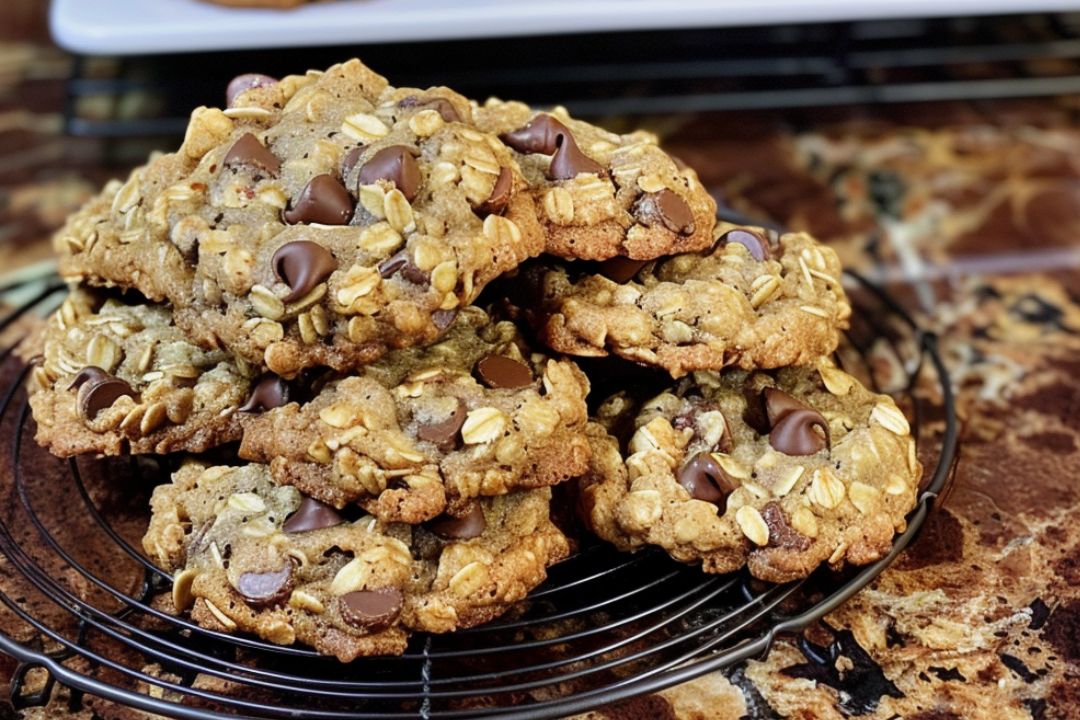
539	135
401	261
266	588
396	164
249	151
312	515
620	269
666	208
324	200
87	374
349	161
469	525
757	246
781	534
800	432
372	610
302	265
704	479
96	395
444	433
778	404
443	318
444	107
500	194
269	392
569	161
499	371
242	83
546	135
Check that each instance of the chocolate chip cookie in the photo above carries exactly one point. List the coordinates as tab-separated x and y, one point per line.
602	194
778	471
117	376
477	414
754	300
248	555
318	220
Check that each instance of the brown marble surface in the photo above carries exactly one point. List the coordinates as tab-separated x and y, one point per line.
972	213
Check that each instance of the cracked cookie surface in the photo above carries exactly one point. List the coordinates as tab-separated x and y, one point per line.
600	194
117	376
249	555
476	414
753	301
780	472
319	220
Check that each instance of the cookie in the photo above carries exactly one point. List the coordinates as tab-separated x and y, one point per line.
601	194
476	414
320	220
752	301
252	556
780	472
117	376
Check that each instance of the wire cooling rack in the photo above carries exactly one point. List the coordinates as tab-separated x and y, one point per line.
81	606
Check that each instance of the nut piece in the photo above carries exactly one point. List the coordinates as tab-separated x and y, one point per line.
826	490
889	417
483	425
752	525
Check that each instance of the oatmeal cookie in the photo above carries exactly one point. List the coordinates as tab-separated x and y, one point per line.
320	220
116	376
781	472
251	556
476	414
602	194
754	301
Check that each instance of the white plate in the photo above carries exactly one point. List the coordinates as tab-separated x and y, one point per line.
127	27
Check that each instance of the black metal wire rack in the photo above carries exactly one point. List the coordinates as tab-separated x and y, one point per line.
84	606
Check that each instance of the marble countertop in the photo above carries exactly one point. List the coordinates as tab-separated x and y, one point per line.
972	216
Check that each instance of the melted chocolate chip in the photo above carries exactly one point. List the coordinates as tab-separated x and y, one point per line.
781	534
757	246
249	151
396	164
620	269
401	261
778	404
242	83
800	432
269	392
500	194
324	200
444	107
469	525
302	265
499	371
704	479
372	610
312	515
90	373
97	395
666	208
266	588
444	433
546	135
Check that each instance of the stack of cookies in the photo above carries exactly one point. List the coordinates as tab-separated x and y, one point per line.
376	297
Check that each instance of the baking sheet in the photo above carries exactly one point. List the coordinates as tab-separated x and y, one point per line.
128	27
